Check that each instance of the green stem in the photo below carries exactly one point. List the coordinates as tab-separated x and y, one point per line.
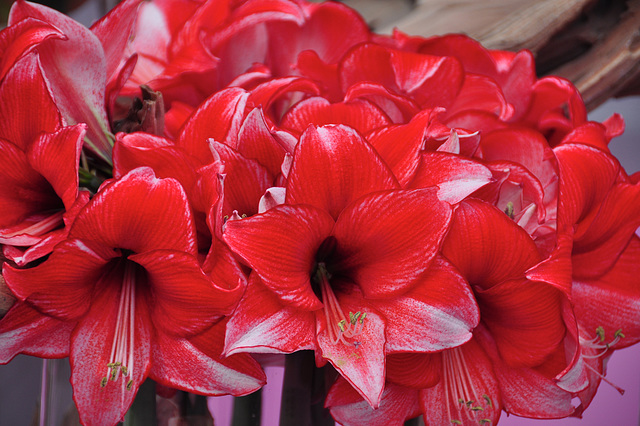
143	409
246	409
295	408
322	380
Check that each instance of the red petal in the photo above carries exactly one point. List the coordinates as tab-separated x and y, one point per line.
218	118
280	245
256	142
597	247
23	191
333	166
424	320
262	324
25	85
400	145
551	94
586	175
114	31
245	183
267	95
145	150
46	244
556	269
25	330
399	108
75	70
91	348
414	370
358	114
480	92
397	405
20	38
612	301
591	133
55	156
251	13
387	240
525	319
521	146
487	246
181	364
112	220
525	392
456	177
363	365
185	300
431	80
73	266
329	30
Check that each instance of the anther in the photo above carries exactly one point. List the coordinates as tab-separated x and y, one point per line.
509	210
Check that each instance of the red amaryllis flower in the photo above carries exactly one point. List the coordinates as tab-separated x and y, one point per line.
516	350
128	278
346	264
39	193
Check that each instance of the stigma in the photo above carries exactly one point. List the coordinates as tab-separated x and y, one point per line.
340	327
122	348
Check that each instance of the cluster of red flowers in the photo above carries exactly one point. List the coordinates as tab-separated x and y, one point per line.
190	182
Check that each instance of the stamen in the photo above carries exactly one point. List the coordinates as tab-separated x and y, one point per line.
41	227
509	210
122	348
601	348
462	396
598	342
339	328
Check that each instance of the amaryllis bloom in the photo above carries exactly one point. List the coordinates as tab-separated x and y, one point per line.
135	296
39	192
346	263
516	350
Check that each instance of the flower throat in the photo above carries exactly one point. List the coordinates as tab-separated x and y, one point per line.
340	327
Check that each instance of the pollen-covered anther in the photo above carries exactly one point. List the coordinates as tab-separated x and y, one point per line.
600	347
463	402
509	210
598	343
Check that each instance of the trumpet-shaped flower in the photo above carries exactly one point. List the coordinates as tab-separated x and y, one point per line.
128	279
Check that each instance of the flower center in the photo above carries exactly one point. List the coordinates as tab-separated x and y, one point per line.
463	401
340	327
121	358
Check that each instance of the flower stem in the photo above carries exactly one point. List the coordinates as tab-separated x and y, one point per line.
44	394
246	409
296	389
143	409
